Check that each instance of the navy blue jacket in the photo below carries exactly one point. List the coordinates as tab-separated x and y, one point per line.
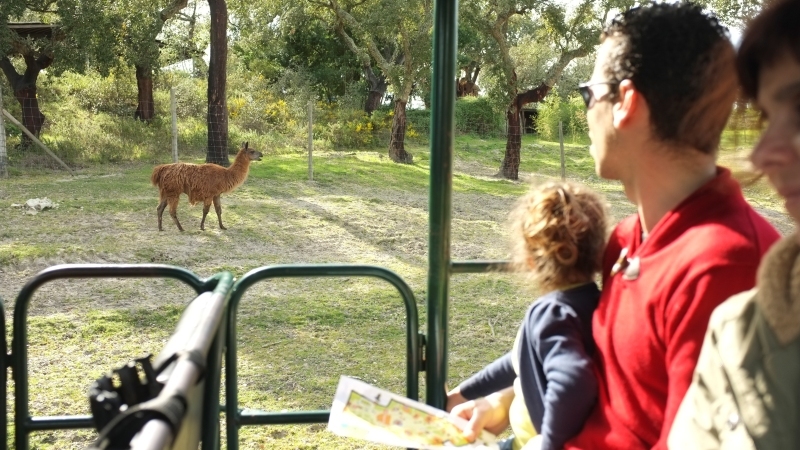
555	364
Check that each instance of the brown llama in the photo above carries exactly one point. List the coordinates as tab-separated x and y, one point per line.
201	182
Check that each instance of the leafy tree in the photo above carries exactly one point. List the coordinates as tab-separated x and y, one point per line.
297	41
143	23
396	36
37	55
276	36
559	37
473	49
184	37
24	54
59	40
98	34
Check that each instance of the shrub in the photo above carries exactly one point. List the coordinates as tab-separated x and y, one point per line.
114	94
571	112
419	118
418	123
475	115
190	94
350	128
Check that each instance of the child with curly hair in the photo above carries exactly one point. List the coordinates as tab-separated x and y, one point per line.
558	237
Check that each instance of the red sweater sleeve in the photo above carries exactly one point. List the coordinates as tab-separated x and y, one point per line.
686	319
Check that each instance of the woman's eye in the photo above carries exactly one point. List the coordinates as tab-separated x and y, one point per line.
763	121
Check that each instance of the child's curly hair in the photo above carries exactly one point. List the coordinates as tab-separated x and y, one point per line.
558	234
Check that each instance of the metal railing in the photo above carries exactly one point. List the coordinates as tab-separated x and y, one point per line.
24	424
414	342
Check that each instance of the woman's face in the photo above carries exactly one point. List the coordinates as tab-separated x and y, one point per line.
777	153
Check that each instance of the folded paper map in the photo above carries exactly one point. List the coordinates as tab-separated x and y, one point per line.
366	412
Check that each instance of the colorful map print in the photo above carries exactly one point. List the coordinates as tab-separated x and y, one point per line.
365	412
406	422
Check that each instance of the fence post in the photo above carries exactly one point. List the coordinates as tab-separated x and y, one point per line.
173	107
310	140
561	141
3	153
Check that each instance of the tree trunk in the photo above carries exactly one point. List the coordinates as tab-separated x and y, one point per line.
24	87
373	100
377	89
217	118
397	151
32	116
510	165
509	168
145	110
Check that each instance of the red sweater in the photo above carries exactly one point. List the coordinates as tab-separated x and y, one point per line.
649	326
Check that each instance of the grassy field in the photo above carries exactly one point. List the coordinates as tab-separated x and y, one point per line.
296	337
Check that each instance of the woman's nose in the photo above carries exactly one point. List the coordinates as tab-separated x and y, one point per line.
777	147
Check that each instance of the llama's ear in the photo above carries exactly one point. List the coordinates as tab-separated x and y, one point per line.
245	145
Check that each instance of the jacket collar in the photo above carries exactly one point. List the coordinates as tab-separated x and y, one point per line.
779	289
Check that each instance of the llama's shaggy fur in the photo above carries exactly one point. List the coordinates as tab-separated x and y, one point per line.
201	182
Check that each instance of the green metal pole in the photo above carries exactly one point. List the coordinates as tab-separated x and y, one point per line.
443	96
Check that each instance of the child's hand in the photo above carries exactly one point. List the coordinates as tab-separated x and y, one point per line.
454	398
489	413
477	412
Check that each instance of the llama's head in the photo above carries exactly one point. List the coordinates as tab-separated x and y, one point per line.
253	155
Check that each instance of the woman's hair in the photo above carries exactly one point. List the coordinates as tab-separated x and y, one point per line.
766	39
558	234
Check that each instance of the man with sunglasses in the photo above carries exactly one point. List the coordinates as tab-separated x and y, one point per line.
659	97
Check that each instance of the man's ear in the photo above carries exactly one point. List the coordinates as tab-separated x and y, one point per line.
628	104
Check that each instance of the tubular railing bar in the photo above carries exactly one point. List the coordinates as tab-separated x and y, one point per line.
440	205
157	434
413	338
283	418
23	423
479	266
59	423
210	429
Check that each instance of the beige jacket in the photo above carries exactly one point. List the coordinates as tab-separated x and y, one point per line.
745	393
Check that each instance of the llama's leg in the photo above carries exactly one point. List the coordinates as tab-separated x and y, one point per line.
160	210
218	209
173	211
206	207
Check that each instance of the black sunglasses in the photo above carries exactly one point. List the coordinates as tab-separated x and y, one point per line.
586	93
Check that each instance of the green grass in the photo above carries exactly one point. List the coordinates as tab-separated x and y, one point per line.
296	337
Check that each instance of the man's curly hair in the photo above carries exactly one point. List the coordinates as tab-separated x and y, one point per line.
558	234
682	62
